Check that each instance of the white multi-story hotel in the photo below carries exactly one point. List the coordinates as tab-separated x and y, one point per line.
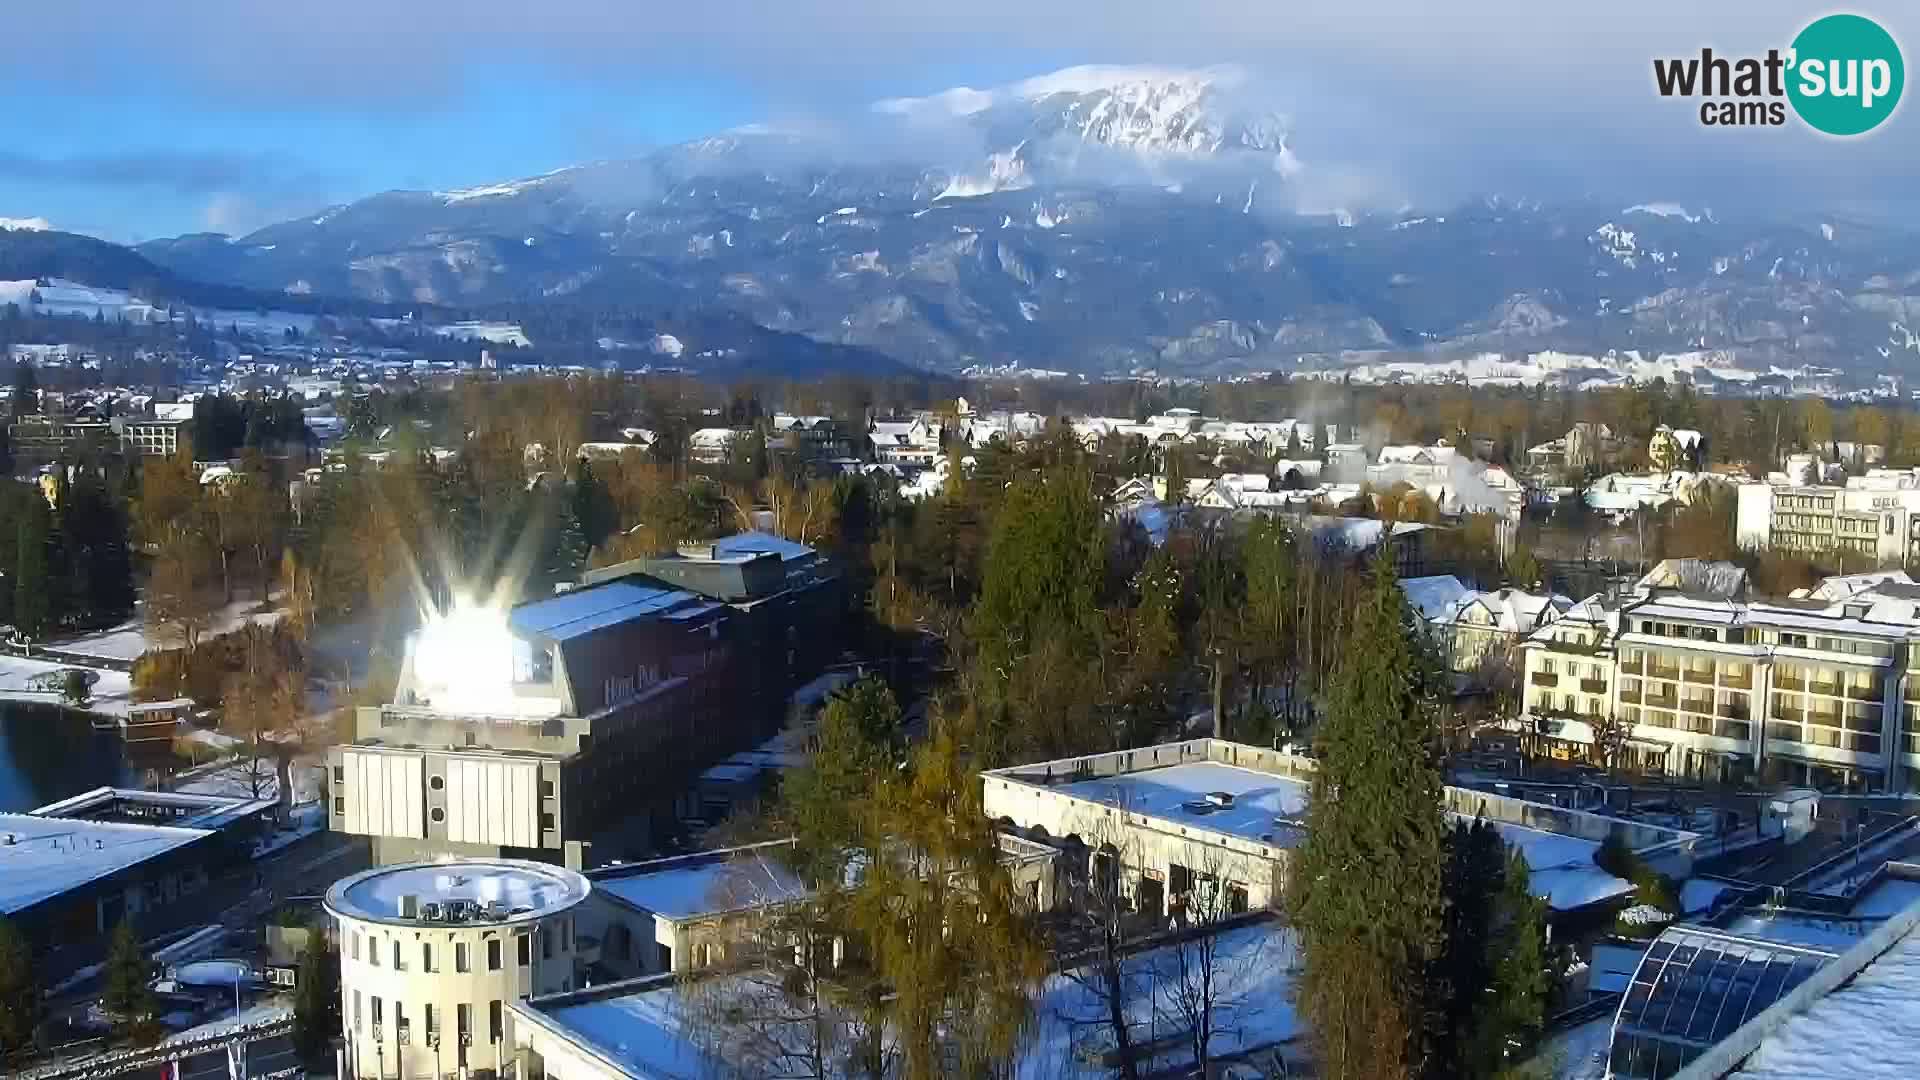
431	955
1874	519
1822	689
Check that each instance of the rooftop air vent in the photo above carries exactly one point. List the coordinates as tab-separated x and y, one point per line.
1221	799
1198	806
409	906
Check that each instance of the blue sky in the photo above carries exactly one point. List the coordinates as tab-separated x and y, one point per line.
131	119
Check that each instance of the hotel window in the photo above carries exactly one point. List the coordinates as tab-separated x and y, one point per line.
493	954
376	1011
526	949
460	961
373	950
356	1011
399	958
426	956
433	1021
356	945
546	943
493	1020
463	1025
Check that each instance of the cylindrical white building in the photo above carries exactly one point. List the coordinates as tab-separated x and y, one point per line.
431	953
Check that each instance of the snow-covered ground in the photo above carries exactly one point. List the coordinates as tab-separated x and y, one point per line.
112	690
130	639
1579	1053
646	1032
234	780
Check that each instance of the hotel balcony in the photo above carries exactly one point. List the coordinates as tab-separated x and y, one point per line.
1783	682
1633	667
1732	710
1737	682
1865	693
1827	688
1699	675
1703	706
1544	678
1630	697
1670	673
1594	686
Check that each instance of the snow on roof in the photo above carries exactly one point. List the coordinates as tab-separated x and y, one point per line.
754	543
1165	793
1862	1030
1435	597
44	857
1721	579
531	890
1842	586
1265	807
1561	867
699	886
644	1032
1517	611
582	611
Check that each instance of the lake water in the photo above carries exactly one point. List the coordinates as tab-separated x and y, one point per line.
46	756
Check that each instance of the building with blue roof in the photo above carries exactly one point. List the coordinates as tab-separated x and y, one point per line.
564	729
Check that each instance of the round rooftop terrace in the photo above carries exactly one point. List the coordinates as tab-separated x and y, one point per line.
467	891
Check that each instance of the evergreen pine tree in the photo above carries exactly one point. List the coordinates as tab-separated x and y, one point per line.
127	996
316	1003
593	505
1512	1013
1462	971
32	613
19	991
26	390
1365	888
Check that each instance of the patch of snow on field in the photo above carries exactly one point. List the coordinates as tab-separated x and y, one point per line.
112	690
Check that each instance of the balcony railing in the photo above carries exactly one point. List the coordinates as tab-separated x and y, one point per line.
1697	675
1594	686
1703	706
1632	667
1784	682
1631	697
1737	682
1827	688
1544	678
1872	692
1733	710
1663	673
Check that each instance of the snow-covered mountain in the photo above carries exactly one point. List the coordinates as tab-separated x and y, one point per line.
1097	219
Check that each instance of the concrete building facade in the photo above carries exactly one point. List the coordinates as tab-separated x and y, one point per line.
432	954
542	732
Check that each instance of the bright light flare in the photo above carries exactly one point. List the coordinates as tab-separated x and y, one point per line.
463	660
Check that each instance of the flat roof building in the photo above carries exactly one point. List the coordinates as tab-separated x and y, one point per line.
431	955
74	869
1209	814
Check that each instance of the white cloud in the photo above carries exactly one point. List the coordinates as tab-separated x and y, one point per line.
31	224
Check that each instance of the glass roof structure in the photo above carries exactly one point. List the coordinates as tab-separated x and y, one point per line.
1693	988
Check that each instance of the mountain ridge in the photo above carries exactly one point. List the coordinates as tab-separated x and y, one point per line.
1101	221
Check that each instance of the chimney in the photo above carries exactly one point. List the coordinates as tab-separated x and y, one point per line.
409	906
